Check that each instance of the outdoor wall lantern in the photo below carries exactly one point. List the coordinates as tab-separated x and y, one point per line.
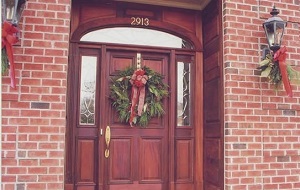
274	66
274	29
11	14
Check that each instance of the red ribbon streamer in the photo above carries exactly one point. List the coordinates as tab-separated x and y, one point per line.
9	37
138	81
280	56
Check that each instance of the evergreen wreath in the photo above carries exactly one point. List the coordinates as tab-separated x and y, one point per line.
137	95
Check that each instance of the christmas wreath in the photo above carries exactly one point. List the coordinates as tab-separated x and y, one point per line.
137	95
275	68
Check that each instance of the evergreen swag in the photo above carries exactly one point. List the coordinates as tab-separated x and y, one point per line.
121	96
275	68
270	69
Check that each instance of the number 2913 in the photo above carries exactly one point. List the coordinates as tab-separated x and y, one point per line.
140	21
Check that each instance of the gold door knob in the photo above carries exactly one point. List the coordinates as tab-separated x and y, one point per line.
107	141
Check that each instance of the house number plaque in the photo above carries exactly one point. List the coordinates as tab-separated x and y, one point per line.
140	21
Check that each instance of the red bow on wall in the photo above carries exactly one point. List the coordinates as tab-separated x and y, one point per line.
280	56
9	38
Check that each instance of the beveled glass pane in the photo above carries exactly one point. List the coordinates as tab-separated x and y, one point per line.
88	89
136	36
183	94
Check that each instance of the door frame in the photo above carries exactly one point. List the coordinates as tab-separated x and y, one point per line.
162	21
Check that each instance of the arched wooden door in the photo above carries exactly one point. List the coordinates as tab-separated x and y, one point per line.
167	153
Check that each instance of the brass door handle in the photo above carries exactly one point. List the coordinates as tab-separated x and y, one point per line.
107	141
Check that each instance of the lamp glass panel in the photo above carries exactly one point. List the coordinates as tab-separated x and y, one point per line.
279	32
10	9
20	8
270	34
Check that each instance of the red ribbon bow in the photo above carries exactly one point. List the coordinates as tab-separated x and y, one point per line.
280	56
138	81
9	37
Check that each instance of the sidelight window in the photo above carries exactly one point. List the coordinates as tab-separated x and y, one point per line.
88	89
183	93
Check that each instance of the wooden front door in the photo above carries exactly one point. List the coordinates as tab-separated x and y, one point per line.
139	156
160	156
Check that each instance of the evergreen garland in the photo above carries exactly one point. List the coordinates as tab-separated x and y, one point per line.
120	94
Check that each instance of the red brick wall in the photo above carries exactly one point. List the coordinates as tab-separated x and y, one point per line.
33	114
262	126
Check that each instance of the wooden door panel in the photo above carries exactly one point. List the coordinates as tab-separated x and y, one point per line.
212	169
137	186
212	113
85	159
121	160
155	62
213	174
86	187
156	122
119	61
151	160
184	160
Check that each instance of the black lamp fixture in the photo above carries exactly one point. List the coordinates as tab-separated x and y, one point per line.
274	29
12	11
273	66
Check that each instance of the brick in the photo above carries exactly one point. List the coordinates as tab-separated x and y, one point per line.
37	170
57	170
48	146
16	170
37	154
20	186
28	129
9	178
29	162
33	66
40	105
239	146
55	186
40	90
49	162
38	121
28	145
36	186
38	137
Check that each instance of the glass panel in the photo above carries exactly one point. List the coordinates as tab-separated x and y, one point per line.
87	89
136	36
183	94
279	33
